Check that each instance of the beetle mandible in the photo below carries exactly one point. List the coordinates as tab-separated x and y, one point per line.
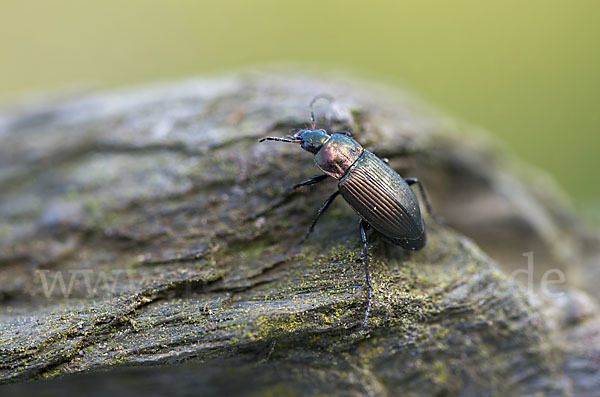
382	198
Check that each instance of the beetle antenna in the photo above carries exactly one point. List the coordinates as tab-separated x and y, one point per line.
276	138
312	111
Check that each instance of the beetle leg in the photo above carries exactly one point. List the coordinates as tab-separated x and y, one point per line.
323	208
288	193
412	181
308	181
347	133
363	236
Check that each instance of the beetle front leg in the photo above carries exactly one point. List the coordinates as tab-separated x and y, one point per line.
347	133
323	208
307	182
364	226
288	194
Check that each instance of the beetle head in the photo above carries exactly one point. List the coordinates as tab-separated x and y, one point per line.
311	139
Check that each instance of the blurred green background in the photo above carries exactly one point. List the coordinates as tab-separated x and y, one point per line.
529	71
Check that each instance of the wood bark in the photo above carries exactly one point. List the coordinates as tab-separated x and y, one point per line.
164	218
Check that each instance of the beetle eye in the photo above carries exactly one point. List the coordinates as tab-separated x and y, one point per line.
307	146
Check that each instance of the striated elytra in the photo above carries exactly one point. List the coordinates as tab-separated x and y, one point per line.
382	198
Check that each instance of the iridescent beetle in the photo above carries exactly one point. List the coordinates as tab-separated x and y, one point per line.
381	197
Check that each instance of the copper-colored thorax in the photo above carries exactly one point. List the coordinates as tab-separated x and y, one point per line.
337	155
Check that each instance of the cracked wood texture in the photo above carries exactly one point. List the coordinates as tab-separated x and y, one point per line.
143	231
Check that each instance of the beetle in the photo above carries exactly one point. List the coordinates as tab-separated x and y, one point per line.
382	198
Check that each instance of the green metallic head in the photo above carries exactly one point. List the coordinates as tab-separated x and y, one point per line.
312	140
309	139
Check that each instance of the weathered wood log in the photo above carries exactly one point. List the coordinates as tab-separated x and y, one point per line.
149	204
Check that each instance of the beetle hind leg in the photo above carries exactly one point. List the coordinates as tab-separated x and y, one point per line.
413	181
364	226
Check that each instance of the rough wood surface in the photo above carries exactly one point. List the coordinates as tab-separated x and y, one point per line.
147	202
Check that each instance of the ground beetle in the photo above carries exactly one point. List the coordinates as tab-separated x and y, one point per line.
381	197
